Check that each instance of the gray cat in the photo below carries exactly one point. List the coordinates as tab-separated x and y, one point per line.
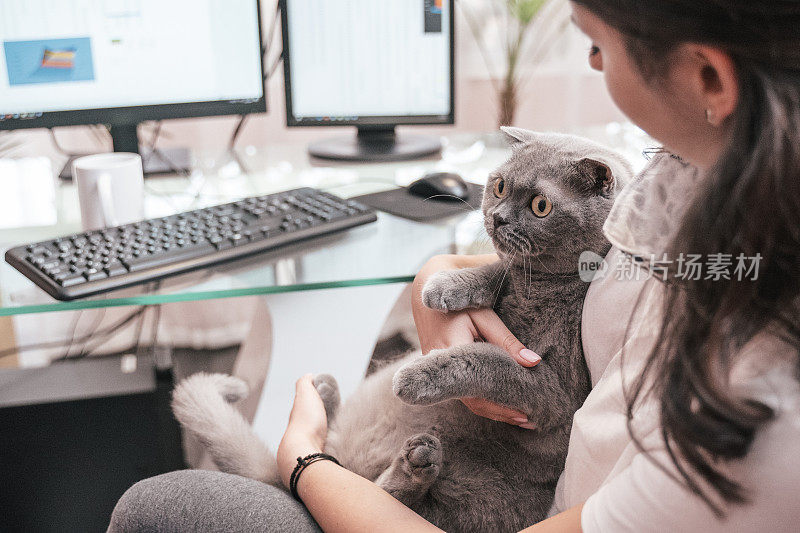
404	428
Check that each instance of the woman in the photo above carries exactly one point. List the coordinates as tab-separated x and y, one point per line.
695	409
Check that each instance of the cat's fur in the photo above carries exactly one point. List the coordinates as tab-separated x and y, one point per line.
404	427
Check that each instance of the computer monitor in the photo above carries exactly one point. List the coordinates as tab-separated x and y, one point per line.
121	62
373	65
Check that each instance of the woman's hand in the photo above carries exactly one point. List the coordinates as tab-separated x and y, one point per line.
307	429
441	330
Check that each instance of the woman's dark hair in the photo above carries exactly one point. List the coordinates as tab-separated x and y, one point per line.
749	204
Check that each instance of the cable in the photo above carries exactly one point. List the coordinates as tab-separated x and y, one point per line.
272	27
236	131
87	351
73	330
138	335
155	151
104	335
274	66
98	321
84	338
154	338
267	44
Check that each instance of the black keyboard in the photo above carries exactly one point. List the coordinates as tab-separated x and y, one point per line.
99	261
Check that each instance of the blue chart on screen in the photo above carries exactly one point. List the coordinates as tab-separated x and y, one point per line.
49	61
433	16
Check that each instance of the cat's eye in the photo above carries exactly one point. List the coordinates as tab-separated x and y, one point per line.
541	206
500	189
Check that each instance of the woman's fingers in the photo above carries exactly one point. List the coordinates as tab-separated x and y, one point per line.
492	329
498	413
454	329
307	399
438	330
303	382
305	391
308	412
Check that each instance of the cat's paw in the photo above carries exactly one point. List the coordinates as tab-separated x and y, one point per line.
231	388
443	292
192	396
422	457
328	390
415	383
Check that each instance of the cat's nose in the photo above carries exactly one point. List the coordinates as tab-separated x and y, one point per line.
499	220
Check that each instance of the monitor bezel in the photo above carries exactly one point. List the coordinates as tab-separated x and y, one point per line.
376	120
121	116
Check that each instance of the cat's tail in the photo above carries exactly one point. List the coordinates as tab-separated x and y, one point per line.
202	403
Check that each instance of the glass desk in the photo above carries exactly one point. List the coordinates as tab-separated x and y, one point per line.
389	251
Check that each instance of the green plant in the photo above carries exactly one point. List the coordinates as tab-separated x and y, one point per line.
518	18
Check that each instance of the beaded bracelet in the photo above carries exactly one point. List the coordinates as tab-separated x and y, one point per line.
302	463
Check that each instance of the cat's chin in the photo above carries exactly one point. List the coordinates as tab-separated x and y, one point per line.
509	244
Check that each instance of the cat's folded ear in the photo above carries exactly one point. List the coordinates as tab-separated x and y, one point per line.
518	136
596	176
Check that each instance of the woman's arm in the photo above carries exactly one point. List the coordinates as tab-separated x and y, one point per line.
567	522
342	501
338	499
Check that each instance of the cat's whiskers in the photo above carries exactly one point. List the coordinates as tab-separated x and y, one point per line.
545	267
467	209
518	243
482	240
496	290
525	275
509	263
529	277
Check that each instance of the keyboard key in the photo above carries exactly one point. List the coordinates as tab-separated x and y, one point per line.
165	258
74	279
115	269
93	274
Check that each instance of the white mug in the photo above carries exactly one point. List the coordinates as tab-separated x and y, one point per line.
110	189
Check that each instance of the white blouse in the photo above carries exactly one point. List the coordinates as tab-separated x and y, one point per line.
621	487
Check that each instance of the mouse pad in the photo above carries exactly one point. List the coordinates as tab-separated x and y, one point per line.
401	203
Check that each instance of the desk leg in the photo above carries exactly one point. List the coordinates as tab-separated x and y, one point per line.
328	331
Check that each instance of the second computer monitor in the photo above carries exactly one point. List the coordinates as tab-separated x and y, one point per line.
369	64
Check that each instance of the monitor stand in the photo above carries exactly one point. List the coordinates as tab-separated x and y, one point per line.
161	161
376	143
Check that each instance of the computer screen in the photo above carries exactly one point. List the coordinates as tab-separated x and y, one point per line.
61	58
366	61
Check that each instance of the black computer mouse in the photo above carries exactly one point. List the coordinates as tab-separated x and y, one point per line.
445	186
